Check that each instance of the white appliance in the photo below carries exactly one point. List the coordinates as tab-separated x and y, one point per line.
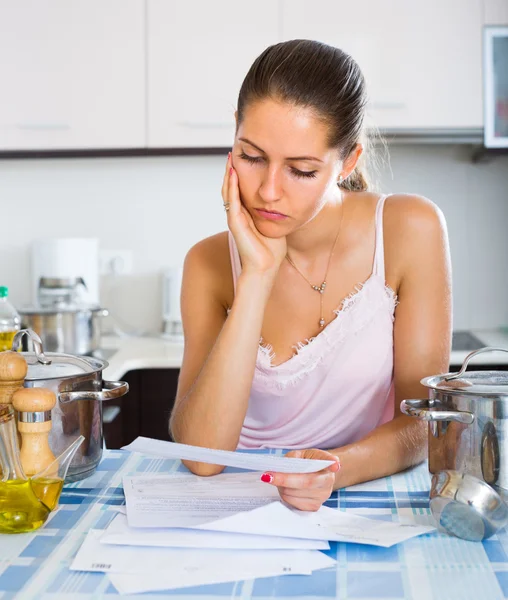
60	262
171	314
495	97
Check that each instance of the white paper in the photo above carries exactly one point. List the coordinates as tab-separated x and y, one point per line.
241	460
184	499
183	567
325	524
119	532
135	584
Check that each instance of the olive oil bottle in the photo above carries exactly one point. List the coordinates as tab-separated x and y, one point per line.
20	509
10	321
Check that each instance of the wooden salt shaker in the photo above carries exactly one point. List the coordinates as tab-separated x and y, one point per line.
34	423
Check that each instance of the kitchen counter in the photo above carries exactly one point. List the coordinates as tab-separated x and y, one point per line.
132	353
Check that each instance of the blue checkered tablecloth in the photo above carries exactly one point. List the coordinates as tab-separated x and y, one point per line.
433	566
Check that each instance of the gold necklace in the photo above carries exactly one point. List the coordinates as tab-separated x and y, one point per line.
320	288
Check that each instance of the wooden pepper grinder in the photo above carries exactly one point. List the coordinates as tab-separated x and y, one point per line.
34	423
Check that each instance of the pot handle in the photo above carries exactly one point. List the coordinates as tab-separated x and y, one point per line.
111	391
469	357
421	409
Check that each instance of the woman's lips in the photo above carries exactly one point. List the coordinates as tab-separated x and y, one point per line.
272	216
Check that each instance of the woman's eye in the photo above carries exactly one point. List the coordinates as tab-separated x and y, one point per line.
295	172
303	174
251	159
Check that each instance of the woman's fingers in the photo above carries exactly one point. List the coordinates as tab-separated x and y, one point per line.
302	502
301	481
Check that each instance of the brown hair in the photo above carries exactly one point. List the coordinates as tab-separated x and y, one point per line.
314	75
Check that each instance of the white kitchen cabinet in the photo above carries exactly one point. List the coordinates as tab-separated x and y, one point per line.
495	12
72	74
198	55
421	60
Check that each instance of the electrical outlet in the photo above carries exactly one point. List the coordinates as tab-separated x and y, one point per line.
115	262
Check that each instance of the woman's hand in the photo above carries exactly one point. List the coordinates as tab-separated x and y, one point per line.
258	253
306	491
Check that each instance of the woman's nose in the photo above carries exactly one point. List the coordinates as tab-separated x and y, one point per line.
271	185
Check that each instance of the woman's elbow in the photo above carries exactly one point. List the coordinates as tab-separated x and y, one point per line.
203	469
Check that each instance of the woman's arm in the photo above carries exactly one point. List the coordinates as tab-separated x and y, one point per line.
219	357
415	229
220	354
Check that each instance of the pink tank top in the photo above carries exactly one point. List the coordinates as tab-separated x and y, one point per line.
338	386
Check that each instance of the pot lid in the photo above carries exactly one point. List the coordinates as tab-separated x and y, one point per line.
477	383
53	365
474	383
60	365
61	308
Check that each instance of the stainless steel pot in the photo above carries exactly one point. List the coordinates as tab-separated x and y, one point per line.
75	330
80	390
468	422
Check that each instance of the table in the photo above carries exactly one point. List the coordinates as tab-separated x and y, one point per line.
35	565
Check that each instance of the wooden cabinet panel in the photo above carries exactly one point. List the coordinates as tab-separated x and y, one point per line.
73	74
495	12
198	55
146	409
421	60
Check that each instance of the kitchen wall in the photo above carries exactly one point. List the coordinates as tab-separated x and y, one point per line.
159	207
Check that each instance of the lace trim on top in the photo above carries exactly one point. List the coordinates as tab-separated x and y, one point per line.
355	312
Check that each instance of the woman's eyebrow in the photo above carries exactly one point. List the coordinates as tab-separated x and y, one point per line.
288	158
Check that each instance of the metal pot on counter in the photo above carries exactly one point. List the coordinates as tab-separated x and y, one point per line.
80	391
468	422
73	330
62	319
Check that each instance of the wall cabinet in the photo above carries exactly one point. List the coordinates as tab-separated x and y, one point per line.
105	74
198	54
421	60
72	73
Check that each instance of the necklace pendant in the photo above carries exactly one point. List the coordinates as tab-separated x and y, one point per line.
321	322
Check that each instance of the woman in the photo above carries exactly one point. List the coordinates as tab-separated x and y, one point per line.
326	303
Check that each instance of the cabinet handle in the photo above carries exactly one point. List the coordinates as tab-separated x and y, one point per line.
43	126
388	105
204	125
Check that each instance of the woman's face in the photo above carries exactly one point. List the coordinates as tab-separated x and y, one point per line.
285	170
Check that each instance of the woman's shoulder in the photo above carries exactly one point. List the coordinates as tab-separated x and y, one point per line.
409	215
414	228
209	260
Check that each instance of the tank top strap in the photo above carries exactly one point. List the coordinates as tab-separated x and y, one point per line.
236	265
379	252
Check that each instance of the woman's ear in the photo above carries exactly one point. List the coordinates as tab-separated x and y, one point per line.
351	161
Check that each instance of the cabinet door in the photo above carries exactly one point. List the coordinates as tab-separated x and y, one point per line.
198	54
495	12
72	74
421	60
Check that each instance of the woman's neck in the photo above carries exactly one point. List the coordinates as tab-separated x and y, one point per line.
310	242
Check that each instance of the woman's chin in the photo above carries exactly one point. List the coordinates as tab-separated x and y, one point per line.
275	229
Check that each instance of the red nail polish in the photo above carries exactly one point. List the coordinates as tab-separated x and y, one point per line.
267	477
229	155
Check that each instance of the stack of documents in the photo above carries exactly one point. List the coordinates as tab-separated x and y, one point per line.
179	530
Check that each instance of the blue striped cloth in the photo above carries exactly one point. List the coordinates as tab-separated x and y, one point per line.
433	566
